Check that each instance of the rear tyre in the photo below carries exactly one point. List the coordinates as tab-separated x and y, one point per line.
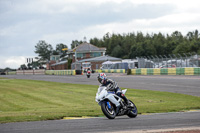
133	111
109	111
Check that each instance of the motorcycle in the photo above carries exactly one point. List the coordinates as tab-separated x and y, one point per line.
109	102
88	73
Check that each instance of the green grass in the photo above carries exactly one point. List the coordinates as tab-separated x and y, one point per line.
29	100
2	78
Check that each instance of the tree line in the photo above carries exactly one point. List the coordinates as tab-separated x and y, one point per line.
44	51
132	45
129	46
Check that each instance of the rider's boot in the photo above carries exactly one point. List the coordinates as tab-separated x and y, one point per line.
126	100
117	109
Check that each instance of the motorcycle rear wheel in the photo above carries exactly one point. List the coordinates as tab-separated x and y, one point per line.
109	113
133	112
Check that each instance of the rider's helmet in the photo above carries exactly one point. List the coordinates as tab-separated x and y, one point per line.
101	77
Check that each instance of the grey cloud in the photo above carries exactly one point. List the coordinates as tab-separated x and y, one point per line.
106	13
33	24
90	14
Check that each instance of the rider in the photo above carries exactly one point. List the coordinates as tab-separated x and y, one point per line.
88	69
112	85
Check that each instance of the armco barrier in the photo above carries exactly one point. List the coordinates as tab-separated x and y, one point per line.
110	71
60	72
166	71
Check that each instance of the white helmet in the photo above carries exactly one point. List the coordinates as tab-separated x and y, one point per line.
101	77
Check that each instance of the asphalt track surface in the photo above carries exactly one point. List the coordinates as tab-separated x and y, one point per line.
178	84
93	125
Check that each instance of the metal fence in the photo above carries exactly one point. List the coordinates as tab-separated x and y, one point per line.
157	61
169	61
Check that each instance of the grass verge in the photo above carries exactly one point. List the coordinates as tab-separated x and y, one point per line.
29	100
2	78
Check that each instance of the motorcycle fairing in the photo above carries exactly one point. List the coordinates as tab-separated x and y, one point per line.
113	98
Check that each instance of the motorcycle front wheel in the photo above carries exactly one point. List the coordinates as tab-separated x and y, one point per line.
133	111
108	110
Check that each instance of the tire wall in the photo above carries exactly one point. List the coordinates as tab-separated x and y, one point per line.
110	71
166	71
60	72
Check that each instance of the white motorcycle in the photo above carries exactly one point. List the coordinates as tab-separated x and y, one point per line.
109	102
88	73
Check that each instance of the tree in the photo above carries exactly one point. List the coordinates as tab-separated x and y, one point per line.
182	48
158	41
136	51
59	48
75	43
23	67
34	64
95	42
44	50
133	45
117	51
69	63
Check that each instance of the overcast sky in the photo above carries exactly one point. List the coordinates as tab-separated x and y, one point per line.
24	22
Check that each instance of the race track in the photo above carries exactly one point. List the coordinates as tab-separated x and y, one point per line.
93	125
179	84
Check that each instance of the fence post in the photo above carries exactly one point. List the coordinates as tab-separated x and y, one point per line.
198	61
162	59
186	58
171	59
157	59
181	59
190	59
153	61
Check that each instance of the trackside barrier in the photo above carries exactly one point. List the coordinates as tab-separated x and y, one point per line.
166	71
110	71
98	71
31	72
60	72
11	73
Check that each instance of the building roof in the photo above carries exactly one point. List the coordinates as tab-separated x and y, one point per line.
87	47
59	63
100	58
